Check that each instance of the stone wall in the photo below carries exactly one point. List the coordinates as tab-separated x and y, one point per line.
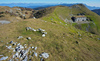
80	19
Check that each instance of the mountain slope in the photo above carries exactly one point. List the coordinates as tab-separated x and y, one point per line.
63	42
65	13
97	11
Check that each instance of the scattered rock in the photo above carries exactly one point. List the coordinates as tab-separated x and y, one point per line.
20	37
43	35
28	28
21	53
34	30
11	42
40	30
34	18
35	54
32	47
29	38
35	48
9	47
44	55
3	58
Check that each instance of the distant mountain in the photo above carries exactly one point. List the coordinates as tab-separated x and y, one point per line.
42	5
97	11
89	7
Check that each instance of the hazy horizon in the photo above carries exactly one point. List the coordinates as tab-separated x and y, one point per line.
89	2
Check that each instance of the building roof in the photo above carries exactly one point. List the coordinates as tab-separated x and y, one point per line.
79	16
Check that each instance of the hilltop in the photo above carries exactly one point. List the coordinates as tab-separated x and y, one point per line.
64	41
63	14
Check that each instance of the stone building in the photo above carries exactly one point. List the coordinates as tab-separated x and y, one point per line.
79	18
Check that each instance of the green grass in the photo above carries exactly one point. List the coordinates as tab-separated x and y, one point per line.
60	42
60	13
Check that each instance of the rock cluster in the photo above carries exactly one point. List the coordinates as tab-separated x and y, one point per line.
38	30
22	52
3	58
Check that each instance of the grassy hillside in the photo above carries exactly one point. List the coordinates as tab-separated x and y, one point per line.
15	12
65	13
63	42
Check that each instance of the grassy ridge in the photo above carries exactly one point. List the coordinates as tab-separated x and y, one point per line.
61	13
62	42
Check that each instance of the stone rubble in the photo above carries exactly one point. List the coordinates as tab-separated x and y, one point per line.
22	53
29	38
35	54
40	30
35	48
3	58
44	55
20	37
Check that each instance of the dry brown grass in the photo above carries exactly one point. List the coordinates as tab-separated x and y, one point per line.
60	42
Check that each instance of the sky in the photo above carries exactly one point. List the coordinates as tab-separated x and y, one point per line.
88	2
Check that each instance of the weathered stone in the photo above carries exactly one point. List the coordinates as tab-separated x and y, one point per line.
26	58
33	30
17	54
32	47
9	47
28	28
43	35
25	46
41	30
35	54
3	58
11	42
20	37
29	38
45	55
18	44
35	48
